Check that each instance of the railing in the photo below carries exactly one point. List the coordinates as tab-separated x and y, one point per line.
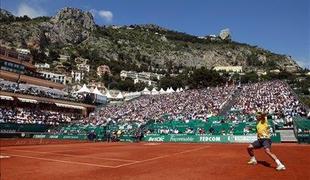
15	55
297	97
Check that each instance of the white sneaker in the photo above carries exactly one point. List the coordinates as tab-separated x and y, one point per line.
252	161
280	167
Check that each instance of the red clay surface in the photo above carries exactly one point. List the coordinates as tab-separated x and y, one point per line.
144	161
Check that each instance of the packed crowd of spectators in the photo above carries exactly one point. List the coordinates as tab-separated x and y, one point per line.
185	105
30	116
272	97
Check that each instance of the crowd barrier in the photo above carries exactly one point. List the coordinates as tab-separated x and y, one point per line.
302	129
61	136
174	138
14	127
207	138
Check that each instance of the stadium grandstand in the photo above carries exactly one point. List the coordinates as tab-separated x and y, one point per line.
221	111
27	98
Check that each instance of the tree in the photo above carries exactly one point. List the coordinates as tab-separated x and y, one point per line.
252	60
126	85
53	55
38	56
68	66
282	75
140	86
106	79
271	64
203	78
249	77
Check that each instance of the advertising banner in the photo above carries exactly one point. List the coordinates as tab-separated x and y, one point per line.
206	138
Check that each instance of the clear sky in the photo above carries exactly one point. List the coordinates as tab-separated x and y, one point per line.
282	26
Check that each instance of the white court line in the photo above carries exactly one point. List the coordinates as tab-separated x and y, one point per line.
106	166
77	156
62	161
67	146
163	156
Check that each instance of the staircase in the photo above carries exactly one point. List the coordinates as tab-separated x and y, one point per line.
287	135
227	106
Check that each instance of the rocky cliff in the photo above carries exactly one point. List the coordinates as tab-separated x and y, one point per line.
72	31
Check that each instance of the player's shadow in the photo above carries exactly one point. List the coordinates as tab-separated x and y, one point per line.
264	163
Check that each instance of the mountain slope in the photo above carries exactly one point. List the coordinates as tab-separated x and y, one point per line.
73	31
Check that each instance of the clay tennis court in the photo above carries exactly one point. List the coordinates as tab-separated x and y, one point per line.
67	160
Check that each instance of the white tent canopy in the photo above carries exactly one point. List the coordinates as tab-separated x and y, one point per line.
84	89
162	91
96	91
154	91
109	96
170	90
119	96
146	91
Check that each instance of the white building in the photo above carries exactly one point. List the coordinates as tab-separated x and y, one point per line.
236	69
130	74
77	76
148	82
276	71
83	67
42	65
145	77
141	75
225	34
23	51
58	78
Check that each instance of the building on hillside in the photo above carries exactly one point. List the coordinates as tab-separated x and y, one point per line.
291	68
23	51
145	77
81	64
277	71
130	74
103	69
213	37
235	69
58	78
141	75
42	65
147	82
18	67
225	34
77	76
63	57
261	72
83	67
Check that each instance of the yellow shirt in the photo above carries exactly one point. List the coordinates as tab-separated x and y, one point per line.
263	130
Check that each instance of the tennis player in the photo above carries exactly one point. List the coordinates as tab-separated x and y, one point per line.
263	140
